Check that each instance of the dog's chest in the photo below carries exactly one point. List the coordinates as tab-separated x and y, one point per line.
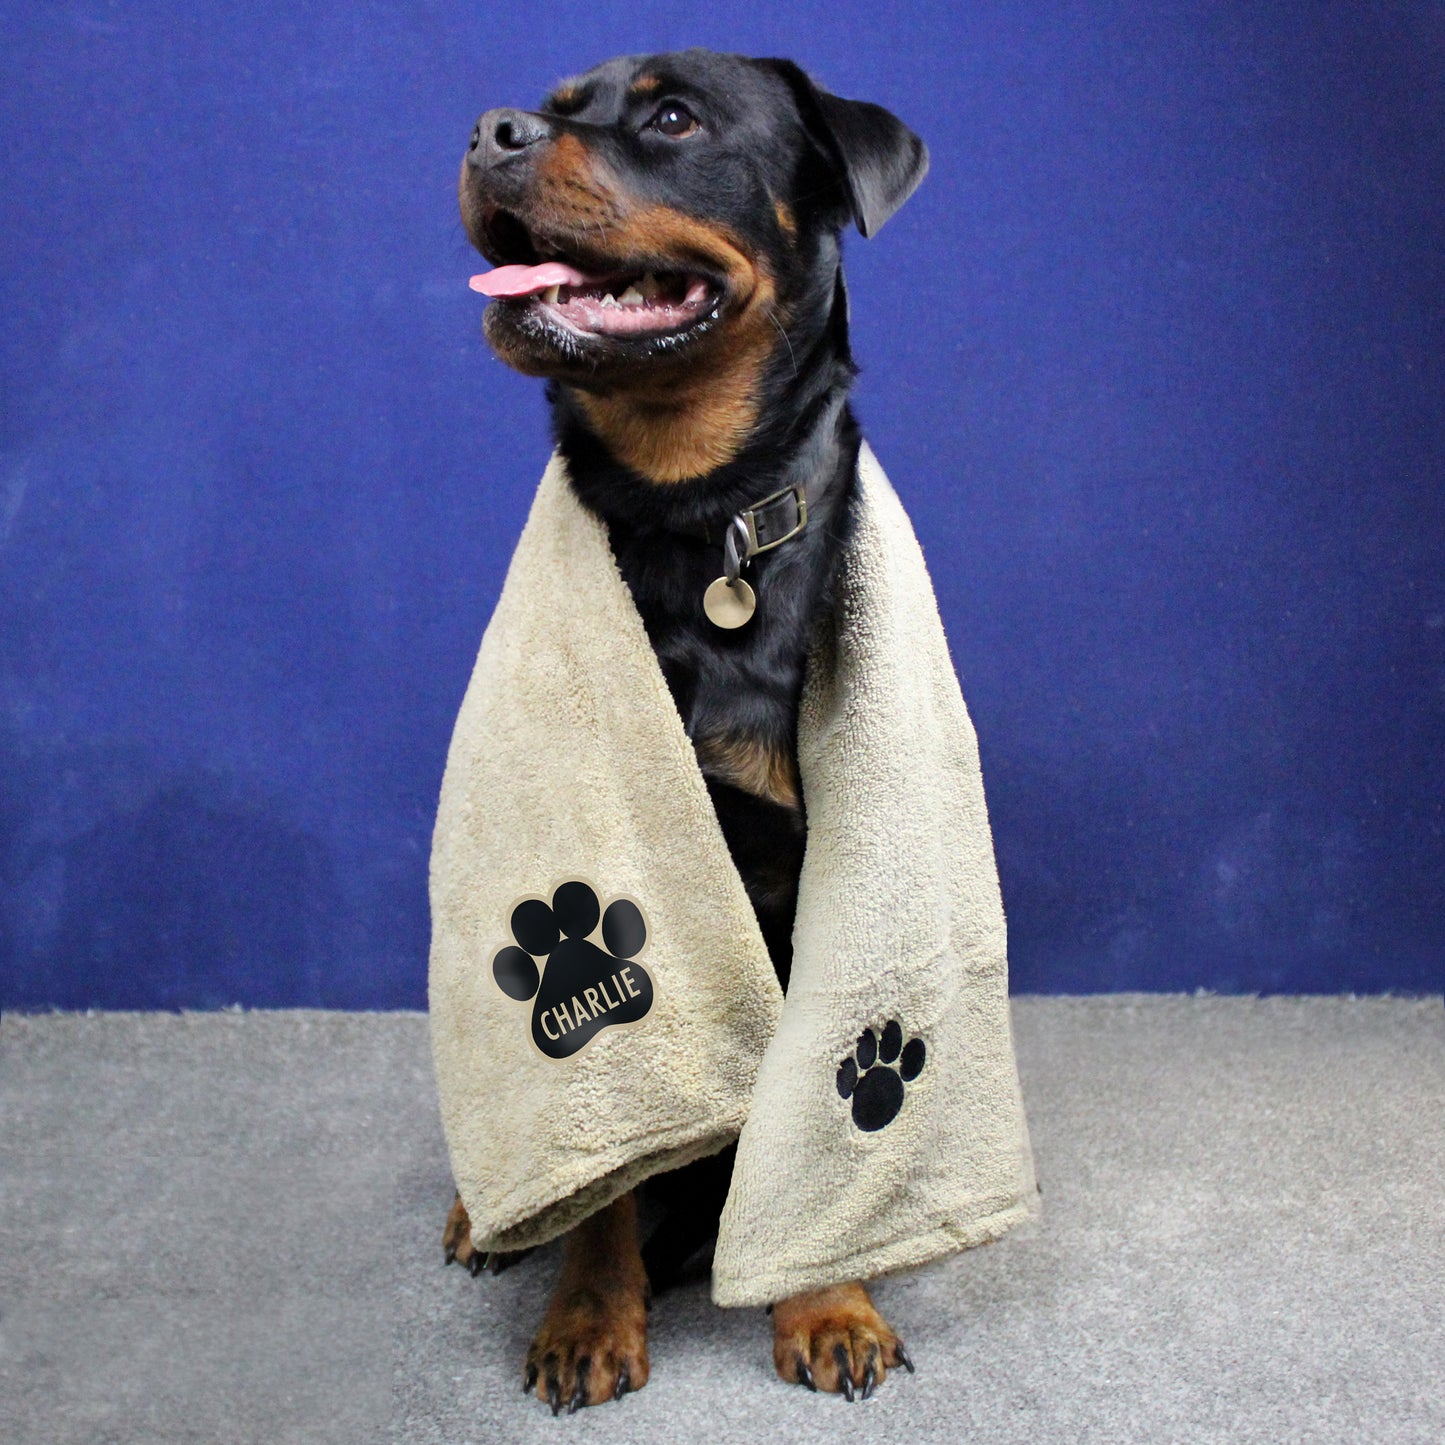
743	682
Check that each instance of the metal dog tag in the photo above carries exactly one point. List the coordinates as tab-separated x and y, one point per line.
729	604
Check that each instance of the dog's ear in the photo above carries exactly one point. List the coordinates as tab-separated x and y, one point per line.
878	160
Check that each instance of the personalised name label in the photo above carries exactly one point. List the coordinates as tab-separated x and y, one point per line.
581	989
593	1004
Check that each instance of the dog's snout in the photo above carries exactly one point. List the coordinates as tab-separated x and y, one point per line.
500	134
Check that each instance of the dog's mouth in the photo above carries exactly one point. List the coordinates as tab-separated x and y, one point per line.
646	303
588	294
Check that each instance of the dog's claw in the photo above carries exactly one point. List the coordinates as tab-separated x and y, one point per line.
870	1373
903	1357
476	1263
530	1381
554	1394
805	1375
451	1254
500	1259
624	1383
840	1358
579	1392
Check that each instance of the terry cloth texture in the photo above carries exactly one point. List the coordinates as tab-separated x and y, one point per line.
877	1111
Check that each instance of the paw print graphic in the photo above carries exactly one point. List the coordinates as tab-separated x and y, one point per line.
581	989
869	1078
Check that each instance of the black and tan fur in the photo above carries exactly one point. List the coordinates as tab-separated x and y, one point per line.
745	173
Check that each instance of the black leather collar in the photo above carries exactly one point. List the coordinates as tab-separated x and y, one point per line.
768	523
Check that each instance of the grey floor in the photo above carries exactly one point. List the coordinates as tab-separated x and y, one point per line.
224	1228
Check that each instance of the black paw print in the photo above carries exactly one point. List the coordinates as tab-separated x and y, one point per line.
867	1075
584	988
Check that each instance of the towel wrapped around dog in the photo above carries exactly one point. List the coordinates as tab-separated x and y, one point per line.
602	1003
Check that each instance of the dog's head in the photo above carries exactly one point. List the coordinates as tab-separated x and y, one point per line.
665	219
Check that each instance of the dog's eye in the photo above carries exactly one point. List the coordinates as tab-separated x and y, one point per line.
674	120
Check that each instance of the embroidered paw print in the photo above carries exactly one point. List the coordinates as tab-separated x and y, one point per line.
869	1078
581	989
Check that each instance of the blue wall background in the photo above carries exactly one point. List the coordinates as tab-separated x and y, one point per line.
1155	357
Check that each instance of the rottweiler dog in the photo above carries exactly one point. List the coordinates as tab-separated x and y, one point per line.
666	232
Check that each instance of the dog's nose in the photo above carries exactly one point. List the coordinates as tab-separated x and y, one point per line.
500	134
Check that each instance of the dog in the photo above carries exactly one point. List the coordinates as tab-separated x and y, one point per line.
666	232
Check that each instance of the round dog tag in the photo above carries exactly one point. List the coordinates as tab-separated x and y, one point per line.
729	605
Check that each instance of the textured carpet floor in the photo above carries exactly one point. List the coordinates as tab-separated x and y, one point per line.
224	1228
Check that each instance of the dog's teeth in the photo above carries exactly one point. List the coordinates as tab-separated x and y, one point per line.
551	294
631	297
649	287
608	299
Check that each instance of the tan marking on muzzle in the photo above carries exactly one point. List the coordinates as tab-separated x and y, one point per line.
679	417
688	419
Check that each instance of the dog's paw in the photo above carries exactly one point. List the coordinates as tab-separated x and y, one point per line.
833	1339
874	1074
581	989
457	1239
592	1347
457	1246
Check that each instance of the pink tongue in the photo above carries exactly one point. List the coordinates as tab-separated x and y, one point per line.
526	280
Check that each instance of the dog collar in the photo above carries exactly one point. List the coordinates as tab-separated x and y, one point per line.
765	524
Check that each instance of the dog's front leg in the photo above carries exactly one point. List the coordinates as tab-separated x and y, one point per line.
833	1339
592	1345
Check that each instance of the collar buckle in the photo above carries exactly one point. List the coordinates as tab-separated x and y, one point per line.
775	520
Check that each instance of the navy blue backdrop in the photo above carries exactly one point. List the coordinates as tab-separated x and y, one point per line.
1154	357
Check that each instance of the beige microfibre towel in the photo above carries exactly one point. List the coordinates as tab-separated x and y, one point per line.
602	1004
